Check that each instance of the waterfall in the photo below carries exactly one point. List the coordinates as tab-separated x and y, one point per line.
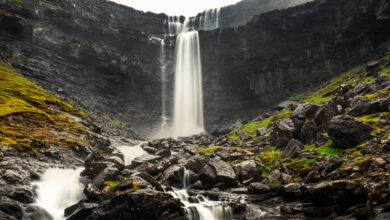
59	189
174	25
209	20
198	207
188	95
164	116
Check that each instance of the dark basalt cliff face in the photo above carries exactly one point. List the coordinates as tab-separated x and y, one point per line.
280	53
102	55
242	12
96	53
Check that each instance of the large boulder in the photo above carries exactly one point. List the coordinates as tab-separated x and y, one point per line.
283	132
303	112
325	113
362	106
246	170
173	176
143	159
348	132
258	188
308	132
293	149
216	171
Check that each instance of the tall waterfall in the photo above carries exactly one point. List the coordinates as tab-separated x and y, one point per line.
188	98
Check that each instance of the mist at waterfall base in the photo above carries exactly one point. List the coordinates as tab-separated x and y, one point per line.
187	110
59	189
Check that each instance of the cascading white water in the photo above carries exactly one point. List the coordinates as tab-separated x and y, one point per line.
188	98
174	25
164	116
131	152
209	20
199	207
59	189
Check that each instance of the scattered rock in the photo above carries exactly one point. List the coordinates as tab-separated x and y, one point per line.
293	149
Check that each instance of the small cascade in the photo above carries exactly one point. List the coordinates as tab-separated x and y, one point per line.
198	207
174	25
209	20
131	152
59	189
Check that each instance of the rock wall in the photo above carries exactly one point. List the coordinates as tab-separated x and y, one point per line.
281	53
94	52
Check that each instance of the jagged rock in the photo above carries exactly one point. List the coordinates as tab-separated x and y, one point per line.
196	163
119	163
92	192
308	132
218	171
11	207
283	132
94	165
140	204
261	131
164	153
348	132
275	175
303	112
385	105
82	211
143	159
258	188
109	173
173	176
191	149
362	106
325	113
293	149
292	208
52	152
293	190
246	170
12	176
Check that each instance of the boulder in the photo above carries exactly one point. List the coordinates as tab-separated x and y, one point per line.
11	207
143	159
218	171
82	211
325	113
246	170
293	149
303	111
109	173
258	188
362	106
283	132
347	132
173	176
92	192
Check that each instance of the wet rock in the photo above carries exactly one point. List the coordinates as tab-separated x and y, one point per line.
196	163
293	190
308	132
164	153
52	152
94	165
348	132
306	110
140	204
92	192
293	149
11	207
20	193
283	132
383	216
109	173
82	211
119	163
258	188
12	176
246	170
33	212
173	176
292	208
191	149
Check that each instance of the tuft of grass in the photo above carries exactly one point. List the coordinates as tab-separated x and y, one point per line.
328	149
371	97
111	185
207	150
300	165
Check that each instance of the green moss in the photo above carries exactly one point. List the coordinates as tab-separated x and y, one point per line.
309	147
375	117
356	154
268	157
384	92
362	161
250	130
385	71
111	185
328	149
275	184
49	5
371	97
28	113
207	150
300	165
368	80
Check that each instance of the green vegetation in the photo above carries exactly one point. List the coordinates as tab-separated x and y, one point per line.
296	166
111	185
49	5
250	130
207	150
29	113
328	149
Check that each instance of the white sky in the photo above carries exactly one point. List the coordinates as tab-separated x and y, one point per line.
176	7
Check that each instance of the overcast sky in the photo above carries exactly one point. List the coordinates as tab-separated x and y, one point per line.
176	7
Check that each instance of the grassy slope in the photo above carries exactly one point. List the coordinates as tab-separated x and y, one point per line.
29	113
272	158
